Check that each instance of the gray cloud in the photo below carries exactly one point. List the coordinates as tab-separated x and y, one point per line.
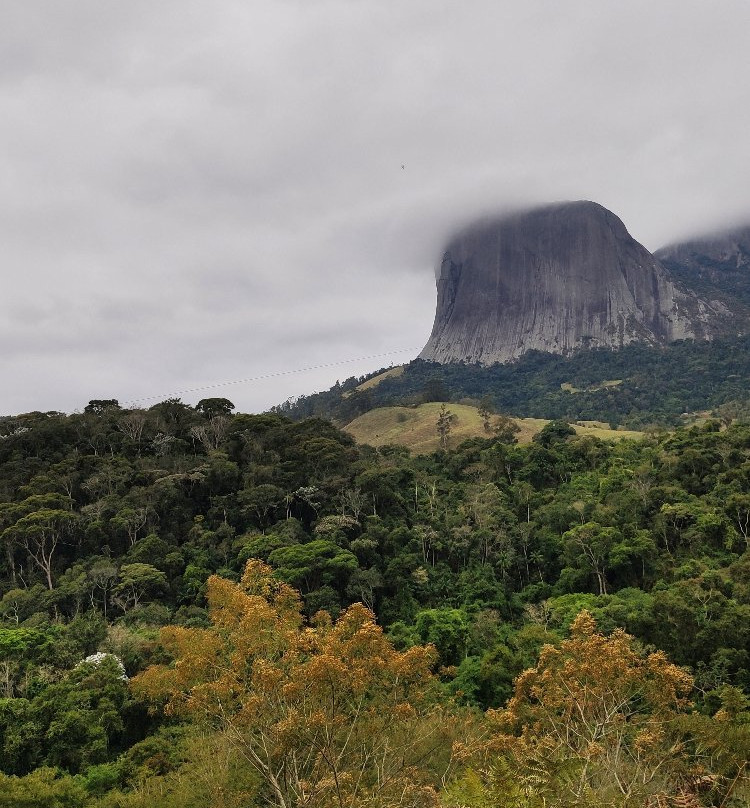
196	192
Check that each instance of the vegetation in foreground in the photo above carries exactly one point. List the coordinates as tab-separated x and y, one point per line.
179	618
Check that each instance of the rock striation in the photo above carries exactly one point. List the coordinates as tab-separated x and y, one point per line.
556	279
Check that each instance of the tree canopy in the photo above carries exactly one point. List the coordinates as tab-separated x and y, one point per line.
273	582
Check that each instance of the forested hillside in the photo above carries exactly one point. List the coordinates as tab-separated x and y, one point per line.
636	386
178	618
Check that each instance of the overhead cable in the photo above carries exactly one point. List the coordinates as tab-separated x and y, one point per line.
273	375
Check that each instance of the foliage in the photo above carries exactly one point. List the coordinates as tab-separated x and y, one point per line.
115	523
599	722
445	422
598	715
45	788
325	713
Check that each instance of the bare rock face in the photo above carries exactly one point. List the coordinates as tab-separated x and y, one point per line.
556	279
727	250
718	264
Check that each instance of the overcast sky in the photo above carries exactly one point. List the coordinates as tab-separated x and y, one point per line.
200	192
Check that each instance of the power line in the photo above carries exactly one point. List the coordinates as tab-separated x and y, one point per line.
273	375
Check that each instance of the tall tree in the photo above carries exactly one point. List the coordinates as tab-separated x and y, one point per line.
40	532
596	720
327	714
445	422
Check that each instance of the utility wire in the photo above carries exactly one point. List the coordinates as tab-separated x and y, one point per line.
273	375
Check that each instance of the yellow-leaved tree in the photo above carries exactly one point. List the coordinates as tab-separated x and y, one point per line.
329	714
597	722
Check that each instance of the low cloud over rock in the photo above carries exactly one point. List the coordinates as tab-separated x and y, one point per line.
556	279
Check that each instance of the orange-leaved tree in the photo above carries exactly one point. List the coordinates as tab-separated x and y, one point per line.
329	714
596	722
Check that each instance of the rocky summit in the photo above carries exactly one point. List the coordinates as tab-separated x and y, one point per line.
715	265
727	250
556	279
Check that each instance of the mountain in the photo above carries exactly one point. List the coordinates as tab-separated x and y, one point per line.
555	290
556	279
717	265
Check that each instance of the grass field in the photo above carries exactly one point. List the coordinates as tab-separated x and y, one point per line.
391	373
415	427
609	383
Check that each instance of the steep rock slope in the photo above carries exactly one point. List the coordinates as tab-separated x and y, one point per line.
556	279
719	263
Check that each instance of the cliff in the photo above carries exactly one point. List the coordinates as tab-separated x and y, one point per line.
717	264
555	279
729	249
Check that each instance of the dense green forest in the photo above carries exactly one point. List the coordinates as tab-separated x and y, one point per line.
635	387
178	618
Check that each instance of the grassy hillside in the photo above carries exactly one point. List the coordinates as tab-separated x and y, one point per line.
374	381
415	427
392	373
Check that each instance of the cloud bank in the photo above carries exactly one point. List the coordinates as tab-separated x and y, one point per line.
197	192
